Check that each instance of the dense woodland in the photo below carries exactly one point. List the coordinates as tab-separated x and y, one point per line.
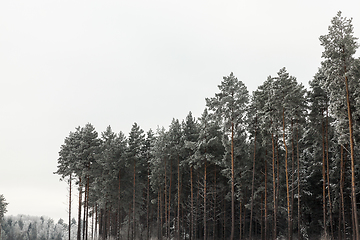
282	161
24	227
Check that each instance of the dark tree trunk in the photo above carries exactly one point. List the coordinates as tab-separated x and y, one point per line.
287	179
353	190
87	208
85	203
101	222
205	219
232	183
129	222
134	202
265	198
165	201
328	174
92	222
215	217
324	180
252	184
278	176
240	220
178	200
292	176
298	185
169	203
158	215
274	186
148	202
119	207
79	212
96	220
224	218
342	207
192	204
69	208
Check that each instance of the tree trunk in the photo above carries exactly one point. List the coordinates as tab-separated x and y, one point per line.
79	212
119	207
87	208
165	200
129	222
232	183
215	218
353	190
169	204
107	220
192	205
277	176
298	184
224	217
92	222
147	202
96	221
342	212
108	225
265	198
292	177
158	215
101	221
197	205
328	174
178	202
84	214
324	179
161	217
240	221
244	214
69	208
274	186
205	175
287	179
261	218
134	202
252	184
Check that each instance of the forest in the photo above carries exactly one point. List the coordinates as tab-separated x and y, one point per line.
282	162
24	227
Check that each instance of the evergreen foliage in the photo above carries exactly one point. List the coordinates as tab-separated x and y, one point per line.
3	206
23	227
278	163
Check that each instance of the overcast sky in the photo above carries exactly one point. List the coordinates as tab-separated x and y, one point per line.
66	63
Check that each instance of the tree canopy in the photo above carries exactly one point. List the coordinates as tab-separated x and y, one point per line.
279	162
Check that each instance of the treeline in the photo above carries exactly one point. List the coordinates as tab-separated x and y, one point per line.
24	227
3	210
281	162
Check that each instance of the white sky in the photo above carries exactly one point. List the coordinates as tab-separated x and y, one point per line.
67	63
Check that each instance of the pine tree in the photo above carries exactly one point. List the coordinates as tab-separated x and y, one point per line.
68	156
229	105
190	137
136	157
109	174
87	151
314	138
158	179
339	47
263	106
286	89
252	115
208	152
148	147
175	145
